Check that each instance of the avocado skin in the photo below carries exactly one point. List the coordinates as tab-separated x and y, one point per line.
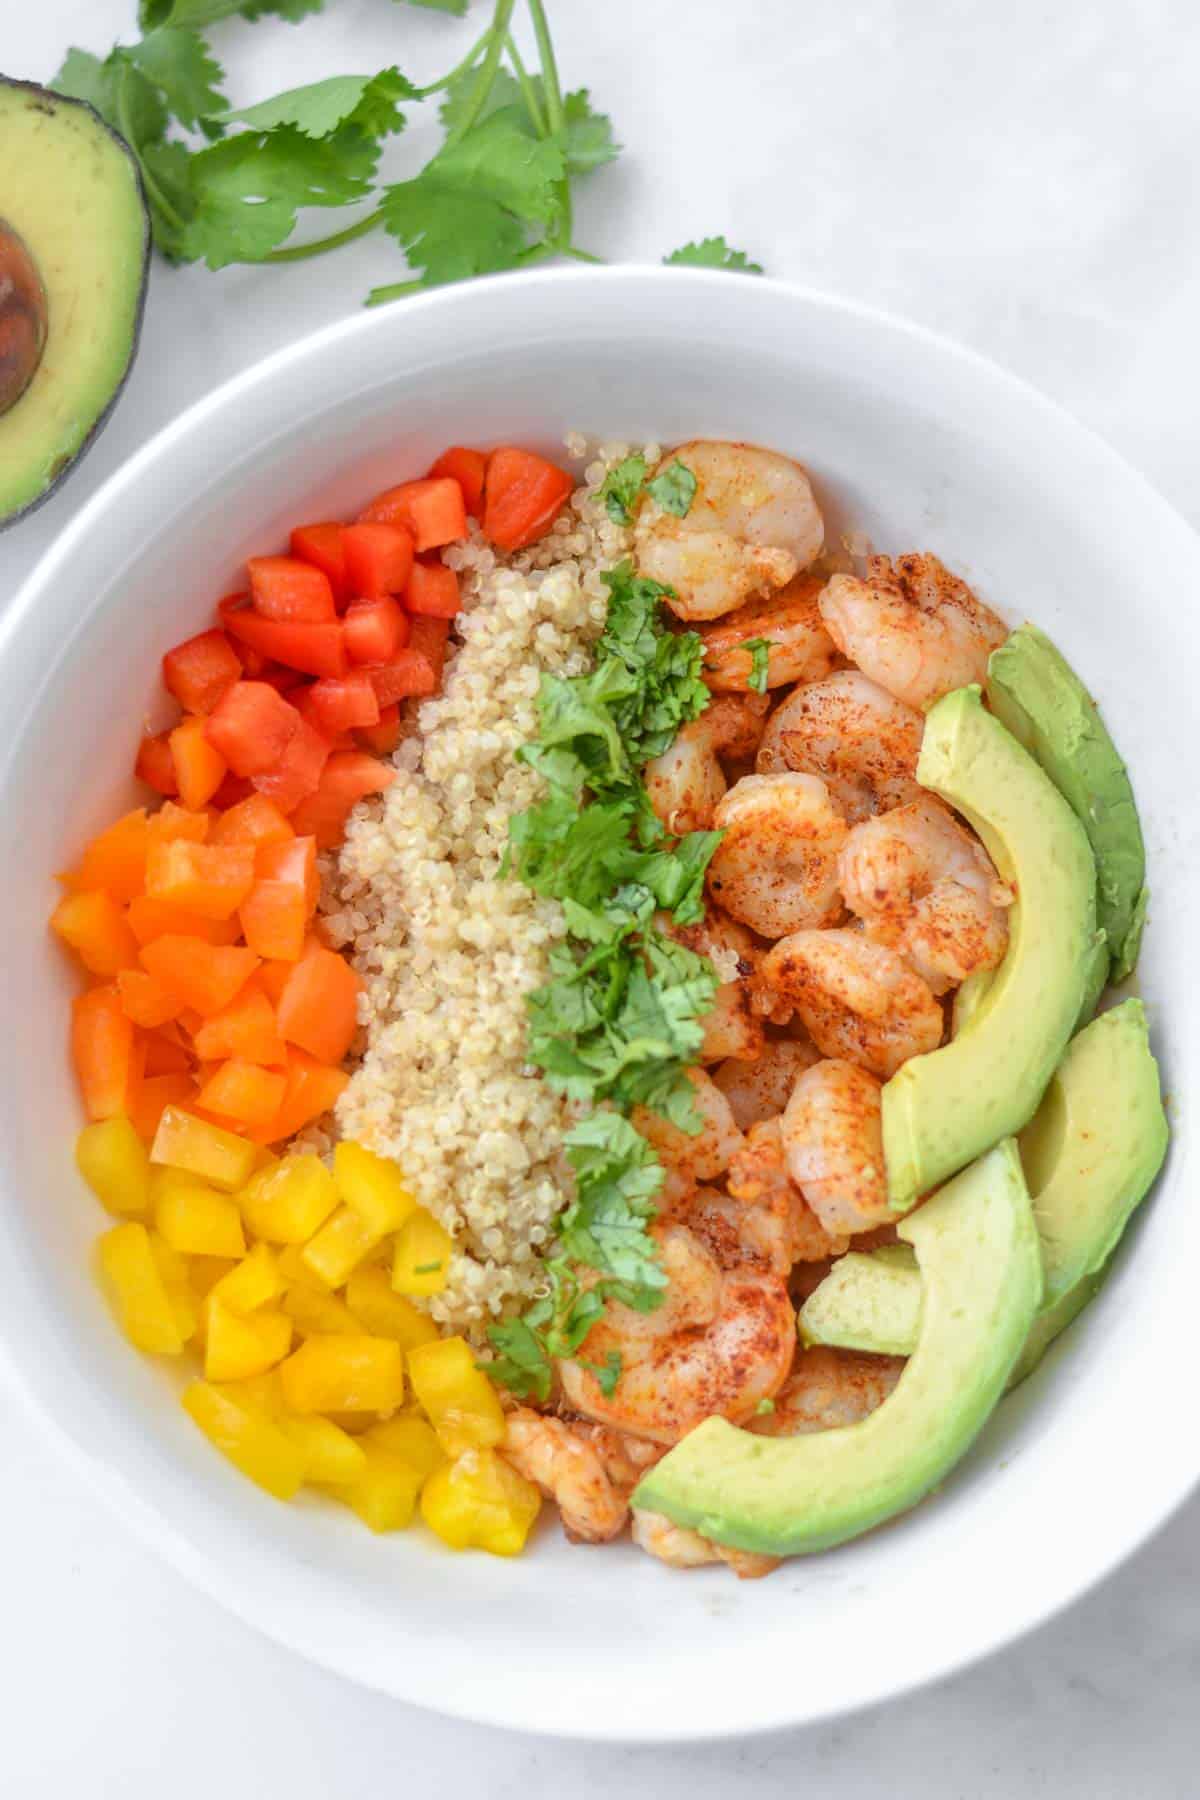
977	1250
130	268
1037	694
945	1108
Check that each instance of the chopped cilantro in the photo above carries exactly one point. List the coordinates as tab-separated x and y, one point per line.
607	1373
764	1406
621	487
760	662
674	489
427	1268
713	253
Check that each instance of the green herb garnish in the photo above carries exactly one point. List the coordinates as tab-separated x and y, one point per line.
674	489
713	253
621	487
760	662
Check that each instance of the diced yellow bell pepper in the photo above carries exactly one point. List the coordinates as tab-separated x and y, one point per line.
344	1374
112	1159
296	1272
339	1246
261	1393
143	1304
411	1438
319	1313
353	1422
422	1264
251	1441
372	1186
289	1199
251	1283
380	1310
207	1151
196	1219
236	1346
175	1271
478	1502
330	1454
461	1402
204	1272
384	1495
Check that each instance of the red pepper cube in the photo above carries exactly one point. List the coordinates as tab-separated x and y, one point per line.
429	637
433	510
155	765
409	675
201	669
378	559
321	545
289	591
468	468
383	737
313	649
432	591
298	772
252	727
334	706
375	629
523	495
348	777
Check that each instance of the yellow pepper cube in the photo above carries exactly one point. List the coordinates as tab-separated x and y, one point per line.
330	1454
289	1199
372	1186
380	1310
113	1161
339	1246
261	1393
296	1272
479	1503
251	1283
422	1262
461	1402
252	1442
140	1296
204	1272
194	1218
385	1495
207	1151
237	1347
412	1439
175	1271
344	1374
318	1313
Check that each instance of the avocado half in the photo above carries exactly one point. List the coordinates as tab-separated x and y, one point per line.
942	1110
74	255
981	1275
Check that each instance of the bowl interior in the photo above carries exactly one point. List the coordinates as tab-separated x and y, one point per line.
914	444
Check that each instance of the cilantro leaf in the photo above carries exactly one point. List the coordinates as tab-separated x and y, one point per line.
588	138
523	1365
457	7
153	13
365	101
621	487
178	64
712	253
607	1373
674	489
760	663
248	189
617	1176
118	90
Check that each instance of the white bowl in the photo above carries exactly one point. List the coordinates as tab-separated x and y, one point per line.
913	441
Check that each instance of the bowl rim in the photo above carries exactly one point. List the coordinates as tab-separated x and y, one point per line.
106	1480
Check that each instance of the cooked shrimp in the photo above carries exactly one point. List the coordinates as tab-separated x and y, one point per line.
798	646
732	1028
858	1000
569	1470
912	626
780	1223
761	1089
752	525
829	1388
776	867
686	781
680	1548
862	742
722	1340
705	1155
922	883
832	1141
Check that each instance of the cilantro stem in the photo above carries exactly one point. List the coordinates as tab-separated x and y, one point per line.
528	91
159	198
555	114
460	68
487	73
580	255
298	252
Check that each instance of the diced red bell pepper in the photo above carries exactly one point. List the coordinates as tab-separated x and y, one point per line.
523	495
428	638
378	558
155	765
298	771
432	591
335	706
232	791
164	1051
375	629
199	765
313	649
321	545
252	726
384	737
198	671
468	468
348	777
294	863
434	511
408	675
290	591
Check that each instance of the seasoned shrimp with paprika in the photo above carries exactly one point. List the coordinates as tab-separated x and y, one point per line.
858	1000
861	741
796	644
776	866
912	627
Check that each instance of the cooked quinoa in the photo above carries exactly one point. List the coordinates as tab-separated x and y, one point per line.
448	948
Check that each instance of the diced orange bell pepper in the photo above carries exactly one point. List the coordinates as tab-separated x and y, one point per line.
242	1092
256	821
165	1052
468	468
146	1002
198	671
200	975
312	1089
209	879
344	1374
432	509
95	927
274	919
102	1050
116	859
318	1006
293	863
199	768
154	1094
172	821
245	1030
272	978
252	1442
154	763
348	777
432	590
150	919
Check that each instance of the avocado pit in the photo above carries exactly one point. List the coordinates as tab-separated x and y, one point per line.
23	316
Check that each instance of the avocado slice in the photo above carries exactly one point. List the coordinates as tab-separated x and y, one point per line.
74	252
1090	1154
968	996
943	1109
977	1250
1038	695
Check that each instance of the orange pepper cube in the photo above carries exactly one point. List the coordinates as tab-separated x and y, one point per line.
95	927
344	1374
173	821
243	1093
274	919
256	821
209	879
102	1050
145	1001
116	859
252	1442
318	1008
199	768
244	1030
203	977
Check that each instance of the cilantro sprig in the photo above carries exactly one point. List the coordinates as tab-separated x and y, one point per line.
231	185
620	1019
760	663
673	488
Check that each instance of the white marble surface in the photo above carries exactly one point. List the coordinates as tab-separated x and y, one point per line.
1021	176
